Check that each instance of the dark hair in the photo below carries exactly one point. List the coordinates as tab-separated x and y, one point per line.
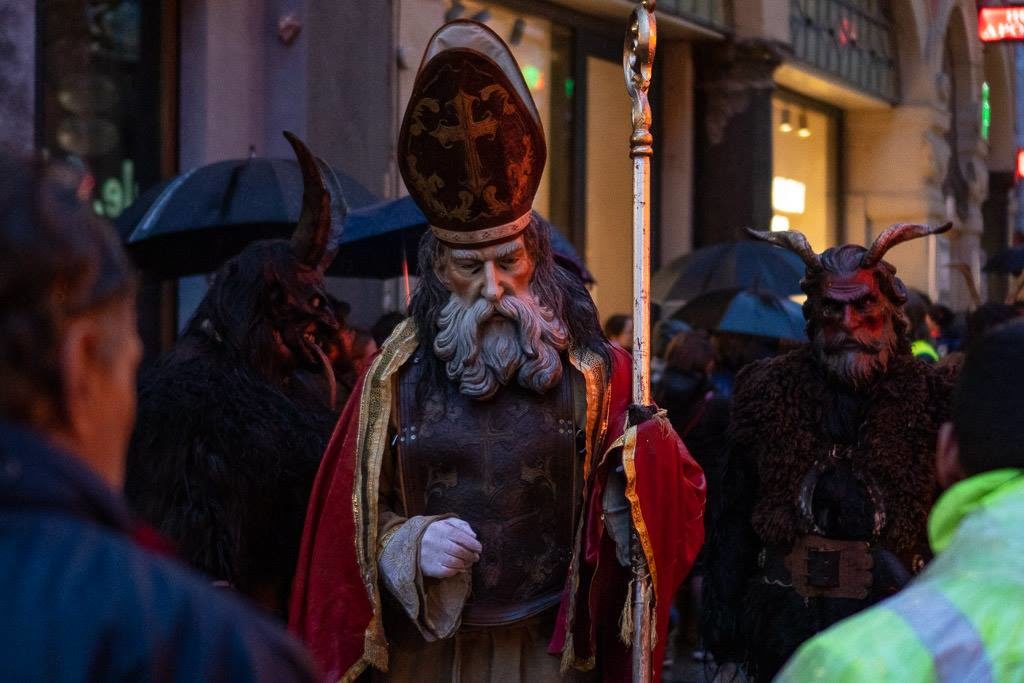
58	260
234	309
987	316
689	352
385	325
942	316
916	309
988	403
615	325
553	286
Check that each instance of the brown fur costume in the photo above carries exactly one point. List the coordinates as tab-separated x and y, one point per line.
777	435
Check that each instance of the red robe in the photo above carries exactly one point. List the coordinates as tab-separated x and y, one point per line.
335	605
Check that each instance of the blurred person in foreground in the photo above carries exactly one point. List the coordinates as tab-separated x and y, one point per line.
829	475
88	592
962	619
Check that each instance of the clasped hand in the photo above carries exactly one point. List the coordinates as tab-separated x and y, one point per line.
448	546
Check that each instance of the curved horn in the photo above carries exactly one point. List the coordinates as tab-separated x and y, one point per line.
792	240
896	234
318	233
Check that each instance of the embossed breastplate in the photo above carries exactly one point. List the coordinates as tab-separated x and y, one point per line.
508	467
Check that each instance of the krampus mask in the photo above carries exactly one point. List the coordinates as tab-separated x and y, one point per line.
267	306
854	307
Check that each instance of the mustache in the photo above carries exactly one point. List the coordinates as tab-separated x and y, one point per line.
848	343
485	345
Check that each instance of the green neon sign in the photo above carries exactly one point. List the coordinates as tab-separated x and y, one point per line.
986	111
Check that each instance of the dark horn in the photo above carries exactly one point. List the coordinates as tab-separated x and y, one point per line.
792	240
318	233
896	234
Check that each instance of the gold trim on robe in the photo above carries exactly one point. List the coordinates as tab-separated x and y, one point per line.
376	402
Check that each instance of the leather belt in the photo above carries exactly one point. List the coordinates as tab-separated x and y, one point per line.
820	567
487	614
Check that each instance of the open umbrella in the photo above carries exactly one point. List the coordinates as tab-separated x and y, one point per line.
381	240
730	265
764	314
1009	260
202	217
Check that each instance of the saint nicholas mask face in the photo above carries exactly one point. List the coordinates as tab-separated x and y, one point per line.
493	330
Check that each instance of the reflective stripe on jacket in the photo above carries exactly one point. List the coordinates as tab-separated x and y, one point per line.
962	619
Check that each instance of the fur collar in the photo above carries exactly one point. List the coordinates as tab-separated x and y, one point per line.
778	412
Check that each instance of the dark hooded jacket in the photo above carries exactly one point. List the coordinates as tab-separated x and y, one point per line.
872	456
84	600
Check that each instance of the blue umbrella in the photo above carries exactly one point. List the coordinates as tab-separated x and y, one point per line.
381	240
740	311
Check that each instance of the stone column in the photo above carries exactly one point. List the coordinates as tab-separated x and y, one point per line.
997	219
17	75
734	139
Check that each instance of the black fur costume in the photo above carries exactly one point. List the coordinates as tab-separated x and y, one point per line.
233	422
786	419
222	462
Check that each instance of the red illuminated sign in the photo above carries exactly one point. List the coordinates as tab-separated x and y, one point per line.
996	24
1020	164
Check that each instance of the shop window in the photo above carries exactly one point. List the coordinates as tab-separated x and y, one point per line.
99	94
804	169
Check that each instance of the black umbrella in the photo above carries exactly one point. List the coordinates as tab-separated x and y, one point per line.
1009	260
202	217
740	311
382	241
730	265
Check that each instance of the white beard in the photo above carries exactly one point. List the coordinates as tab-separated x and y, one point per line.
485	346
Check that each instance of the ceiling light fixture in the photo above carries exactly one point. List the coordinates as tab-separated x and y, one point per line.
804	131
785	126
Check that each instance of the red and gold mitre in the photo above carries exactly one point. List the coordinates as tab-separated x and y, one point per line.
471	148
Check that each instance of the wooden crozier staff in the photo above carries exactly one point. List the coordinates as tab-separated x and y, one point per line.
637	62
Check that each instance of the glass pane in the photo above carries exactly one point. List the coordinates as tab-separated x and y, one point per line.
92	88
609	188
803	183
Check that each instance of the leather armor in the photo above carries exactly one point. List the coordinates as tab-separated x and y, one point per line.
508	467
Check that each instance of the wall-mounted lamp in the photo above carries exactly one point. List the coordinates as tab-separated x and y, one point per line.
518	29
804	131
455	11
785	126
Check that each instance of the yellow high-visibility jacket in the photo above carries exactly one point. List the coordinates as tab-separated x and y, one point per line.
962	619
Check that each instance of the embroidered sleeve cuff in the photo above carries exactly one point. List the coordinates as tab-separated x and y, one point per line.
434	605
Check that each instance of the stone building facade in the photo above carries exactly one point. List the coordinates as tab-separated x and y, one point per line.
836	117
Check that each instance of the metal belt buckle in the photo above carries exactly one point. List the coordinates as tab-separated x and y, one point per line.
829	568
823	568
